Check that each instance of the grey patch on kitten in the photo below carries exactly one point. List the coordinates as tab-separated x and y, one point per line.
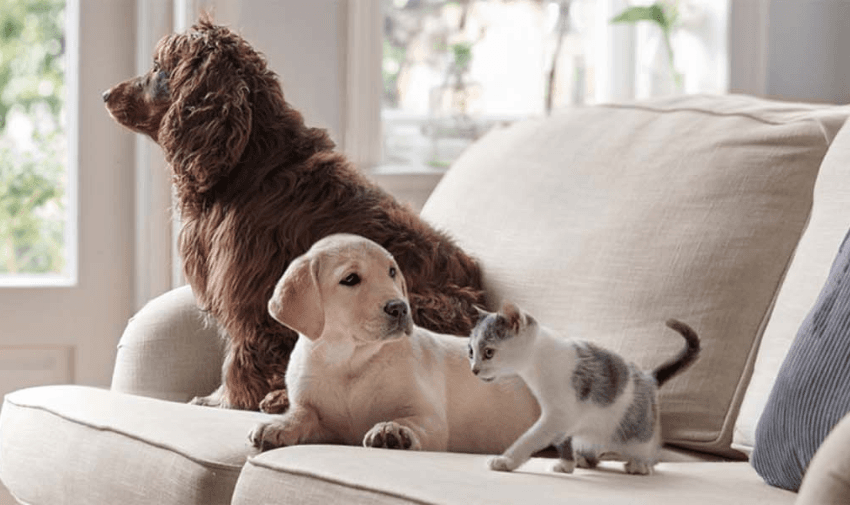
600	375
494	328
637	423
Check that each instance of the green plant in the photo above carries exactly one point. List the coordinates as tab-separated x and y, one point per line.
665	16
32	140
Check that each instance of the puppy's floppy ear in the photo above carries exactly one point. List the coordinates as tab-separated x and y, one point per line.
206	128
297	300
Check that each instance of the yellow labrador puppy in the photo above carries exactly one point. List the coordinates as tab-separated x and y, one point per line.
363	373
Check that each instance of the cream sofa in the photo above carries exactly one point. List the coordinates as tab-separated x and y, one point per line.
604	221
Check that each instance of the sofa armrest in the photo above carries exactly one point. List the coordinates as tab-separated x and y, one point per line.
827	479
170	350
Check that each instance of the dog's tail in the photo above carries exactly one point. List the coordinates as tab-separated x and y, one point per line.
685	358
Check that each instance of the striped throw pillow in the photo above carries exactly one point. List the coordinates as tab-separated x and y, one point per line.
812	389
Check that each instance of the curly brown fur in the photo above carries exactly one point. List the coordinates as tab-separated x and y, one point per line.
256	188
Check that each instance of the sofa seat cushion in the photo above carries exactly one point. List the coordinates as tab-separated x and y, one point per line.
75	444
336	474
605	221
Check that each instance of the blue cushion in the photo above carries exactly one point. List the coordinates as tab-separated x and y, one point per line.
812	389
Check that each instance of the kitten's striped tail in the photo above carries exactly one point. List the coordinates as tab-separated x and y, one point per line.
685	358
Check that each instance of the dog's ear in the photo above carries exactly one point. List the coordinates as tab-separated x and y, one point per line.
297	300
206	129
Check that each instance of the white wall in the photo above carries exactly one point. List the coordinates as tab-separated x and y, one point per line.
791	49
304	44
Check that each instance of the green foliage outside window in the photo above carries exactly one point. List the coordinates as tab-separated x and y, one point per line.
33	155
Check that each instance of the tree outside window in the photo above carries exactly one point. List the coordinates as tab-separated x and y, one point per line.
33	152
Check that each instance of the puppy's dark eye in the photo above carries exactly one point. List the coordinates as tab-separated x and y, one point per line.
392	272
350	280
488	353
471	354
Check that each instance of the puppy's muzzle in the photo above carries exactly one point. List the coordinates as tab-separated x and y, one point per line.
399	315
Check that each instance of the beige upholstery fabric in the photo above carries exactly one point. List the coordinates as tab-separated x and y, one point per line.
328	474
606	221
827	480
73	444
827	227
169	350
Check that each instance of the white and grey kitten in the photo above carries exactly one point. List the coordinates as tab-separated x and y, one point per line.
592	401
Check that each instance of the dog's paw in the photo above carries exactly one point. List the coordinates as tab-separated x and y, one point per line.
502	464
206	401
272	434
276	402
391	435
217	398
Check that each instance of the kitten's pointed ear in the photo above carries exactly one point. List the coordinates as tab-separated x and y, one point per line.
297	301
512	314
482	314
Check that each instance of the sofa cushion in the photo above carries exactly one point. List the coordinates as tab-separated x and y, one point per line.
169	333
812	390
74	444
826	481
605	221
806	276
336	474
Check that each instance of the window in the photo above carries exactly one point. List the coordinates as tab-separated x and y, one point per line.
451	70
35	232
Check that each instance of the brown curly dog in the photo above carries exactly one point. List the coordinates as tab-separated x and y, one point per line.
256	188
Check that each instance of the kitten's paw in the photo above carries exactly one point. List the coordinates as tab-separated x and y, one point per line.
564	466
638	468
586	460
501	464
391	435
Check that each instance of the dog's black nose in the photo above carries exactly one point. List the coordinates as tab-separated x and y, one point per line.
396	308
105	95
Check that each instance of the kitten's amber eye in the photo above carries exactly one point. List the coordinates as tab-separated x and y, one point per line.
488	353
350	280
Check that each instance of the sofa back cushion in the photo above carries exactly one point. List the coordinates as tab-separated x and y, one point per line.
605	221
830	218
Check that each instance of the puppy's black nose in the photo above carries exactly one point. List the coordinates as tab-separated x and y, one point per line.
396	308
105	95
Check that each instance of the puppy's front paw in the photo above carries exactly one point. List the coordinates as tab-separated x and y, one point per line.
271	434
391	435
502	464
